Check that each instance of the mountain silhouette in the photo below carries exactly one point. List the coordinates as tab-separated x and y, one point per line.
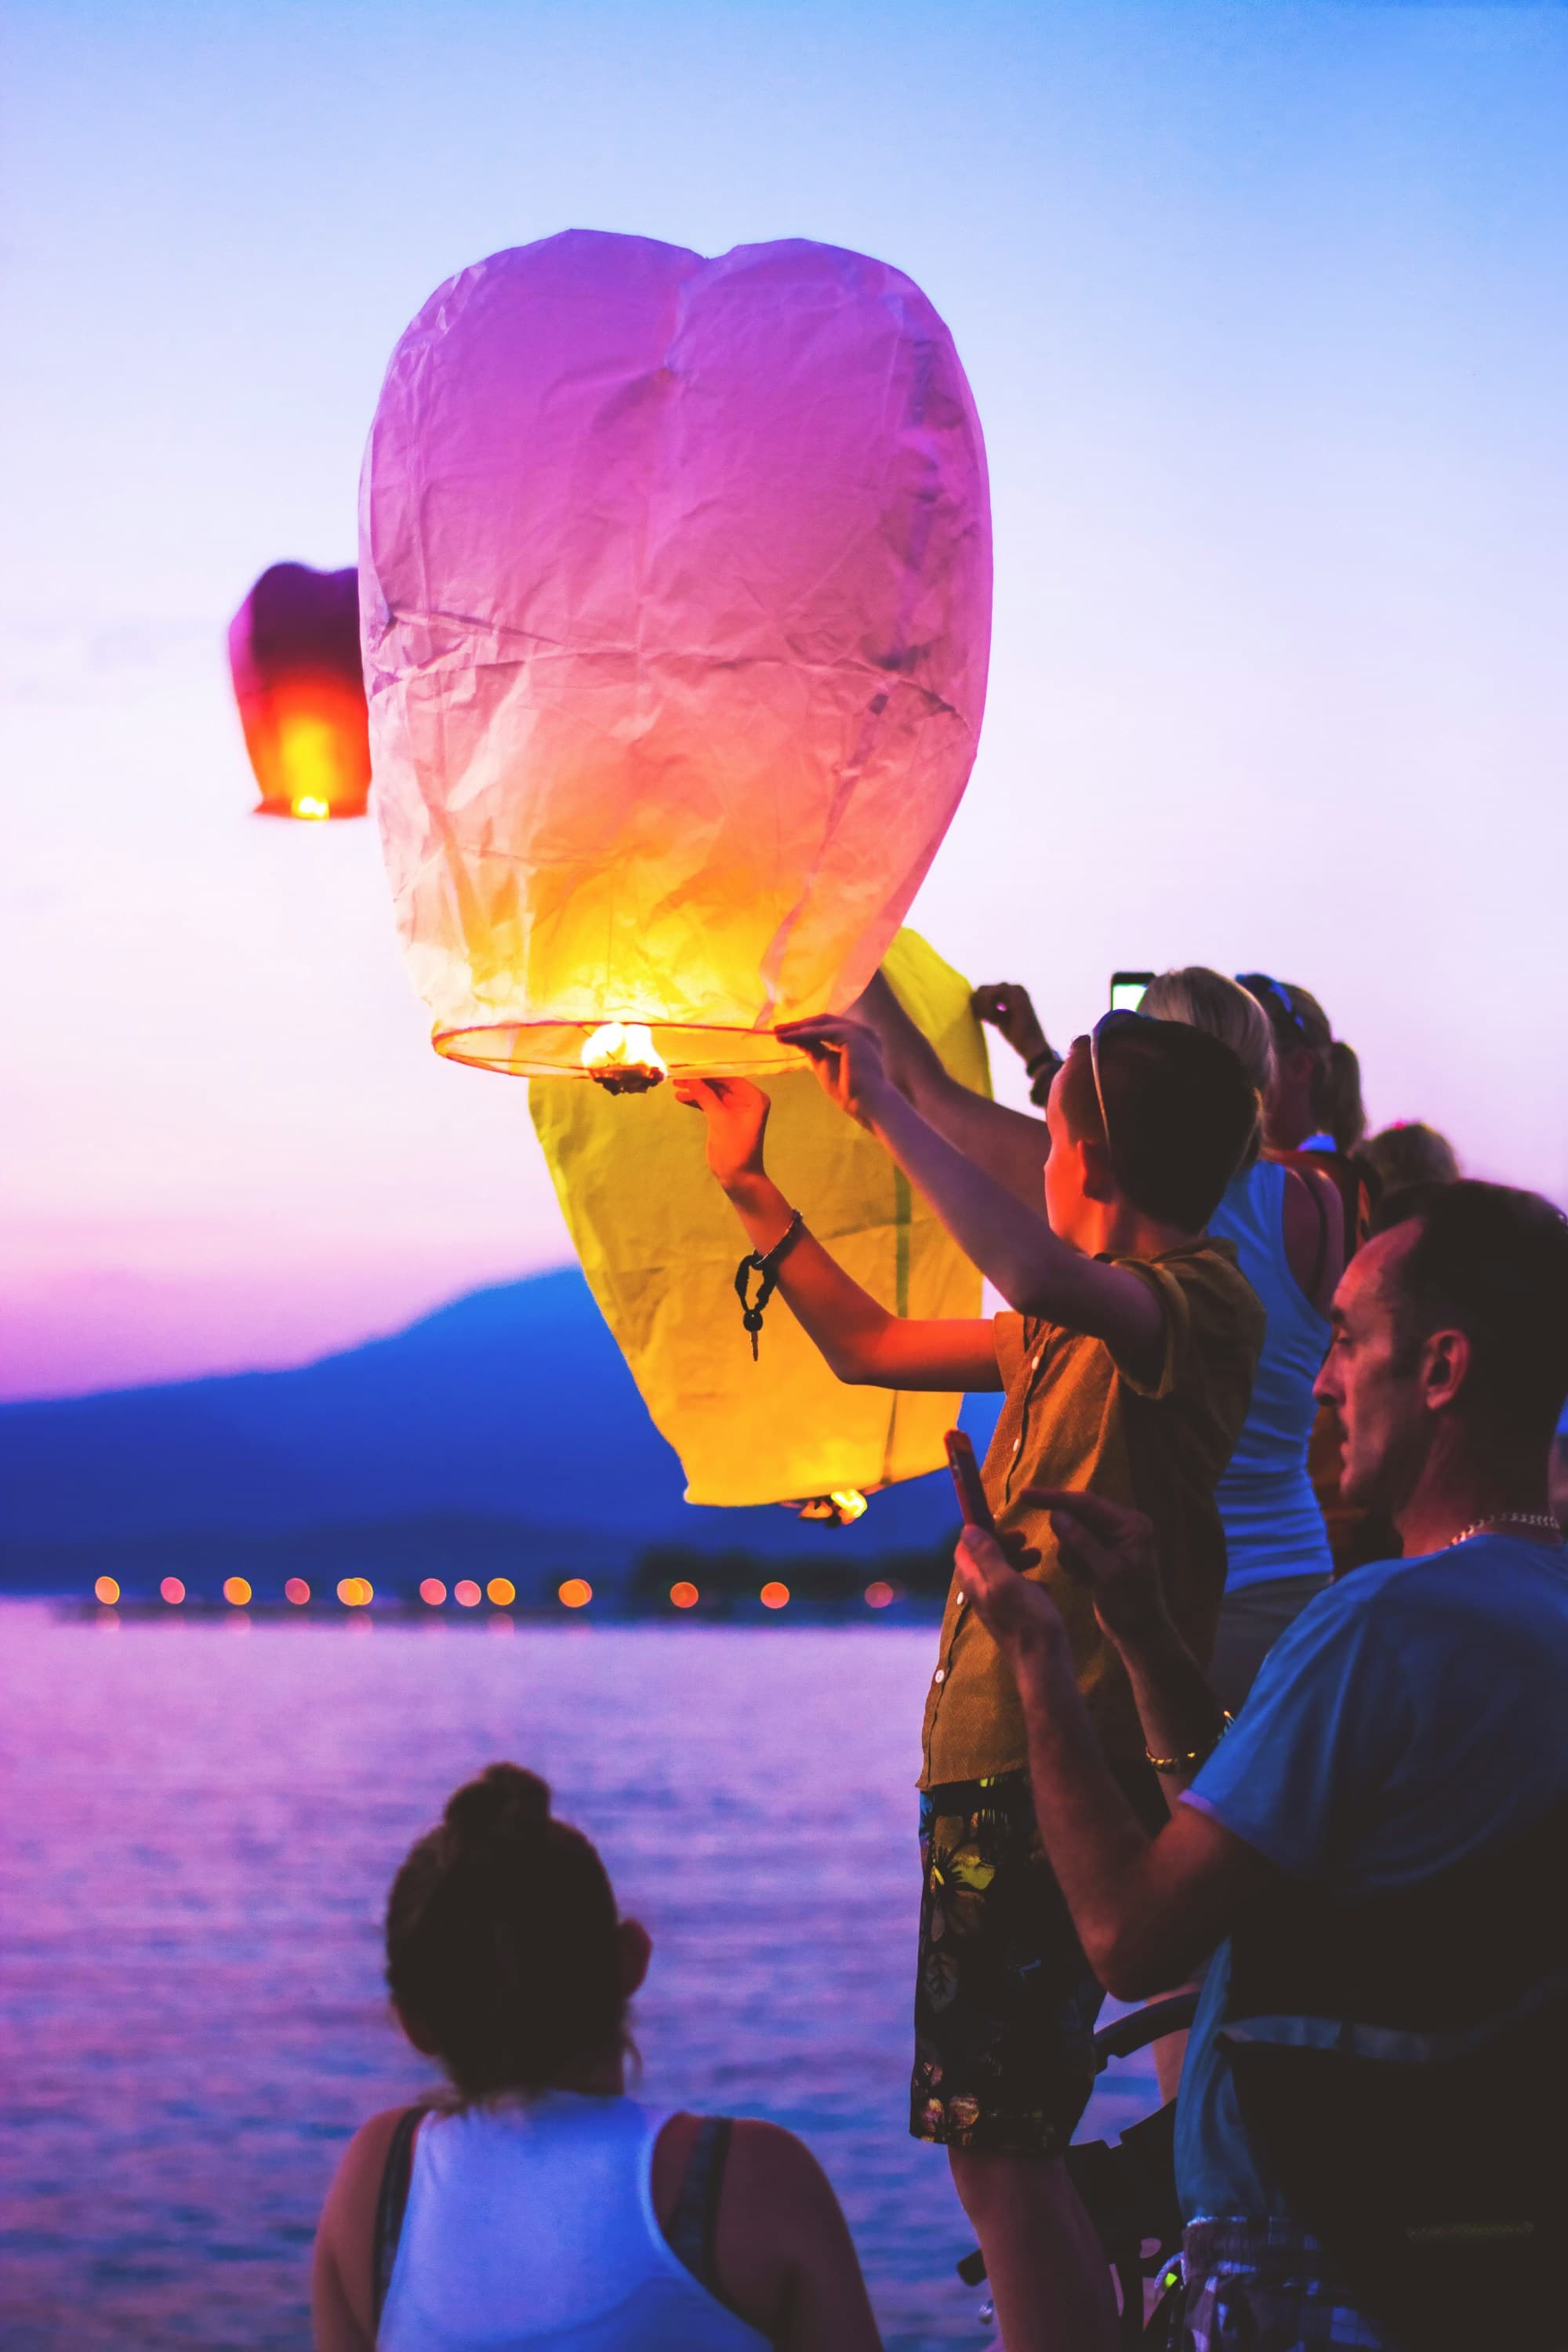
510	1408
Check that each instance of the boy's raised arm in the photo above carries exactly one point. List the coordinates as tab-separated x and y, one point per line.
1035	1271
859	1339
1011	1144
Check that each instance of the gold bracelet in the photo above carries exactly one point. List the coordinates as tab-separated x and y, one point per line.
1194	1756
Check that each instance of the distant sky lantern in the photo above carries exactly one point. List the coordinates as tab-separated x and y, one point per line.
294	654
676	589
659	1245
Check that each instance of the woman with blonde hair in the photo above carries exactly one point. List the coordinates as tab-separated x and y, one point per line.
1288	1228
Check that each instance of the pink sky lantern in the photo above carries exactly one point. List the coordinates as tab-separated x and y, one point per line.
676	594
294	654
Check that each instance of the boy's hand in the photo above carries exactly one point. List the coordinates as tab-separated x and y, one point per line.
1006	1006
1110	1548
737	1115
1020	1617
847	1060
910	1058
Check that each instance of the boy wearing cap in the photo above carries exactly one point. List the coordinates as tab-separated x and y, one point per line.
1126	1364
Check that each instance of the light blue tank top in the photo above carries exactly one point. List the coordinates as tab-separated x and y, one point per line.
1273	1526
531	2228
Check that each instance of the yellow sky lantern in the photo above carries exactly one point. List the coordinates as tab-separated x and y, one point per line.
294	656
659	1245
675	579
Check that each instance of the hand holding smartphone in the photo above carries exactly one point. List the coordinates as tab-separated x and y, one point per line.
973	1508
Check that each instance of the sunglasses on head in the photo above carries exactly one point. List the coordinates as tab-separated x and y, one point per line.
1259	985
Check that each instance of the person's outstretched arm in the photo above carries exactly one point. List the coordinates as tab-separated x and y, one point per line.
861	1340
1011	1144
1147	1910
1108	1549
1035	1272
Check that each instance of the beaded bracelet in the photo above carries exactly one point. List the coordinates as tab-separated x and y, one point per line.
765	1264
1194	1756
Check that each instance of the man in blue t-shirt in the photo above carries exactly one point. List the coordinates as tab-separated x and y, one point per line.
1373	1854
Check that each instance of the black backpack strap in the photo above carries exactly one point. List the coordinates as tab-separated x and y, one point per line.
694	2224
393	2201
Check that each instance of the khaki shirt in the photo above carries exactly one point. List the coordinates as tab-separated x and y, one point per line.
1074	1417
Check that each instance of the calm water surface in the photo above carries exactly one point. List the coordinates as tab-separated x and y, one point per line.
200	1823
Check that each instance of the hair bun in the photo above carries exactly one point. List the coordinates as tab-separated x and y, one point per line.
503	1800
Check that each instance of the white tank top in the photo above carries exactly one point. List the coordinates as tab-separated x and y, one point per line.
531	2223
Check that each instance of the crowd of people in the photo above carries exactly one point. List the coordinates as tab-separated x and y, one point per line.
1254	1685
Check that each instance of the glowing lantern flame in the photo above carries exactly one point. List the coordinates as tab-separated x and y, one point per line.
293	650
620	1055
689	742
836	1510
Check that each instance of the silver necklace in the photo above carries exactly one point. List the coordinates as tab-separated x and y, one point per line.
1508	1520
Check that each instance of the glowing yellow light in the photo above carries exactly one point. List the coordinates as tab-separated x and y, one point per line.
502	1591
774	1596
467	1594
307	806
685	1596
107	1591
235	1591
297	1591
575	1593
173	1590
356	1593
308	754
622	1056
433	1592
878	1594
835	1510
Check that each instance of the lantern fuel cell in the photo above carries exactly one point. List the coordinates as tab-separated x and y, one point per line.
675	588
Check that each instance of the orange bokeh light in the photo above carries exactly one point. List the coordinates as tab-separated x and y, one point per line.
684	1596
356	1593
107	1591
878	1595
173	1590
502	1591
774	1596
235	1591
433	1592
297	1591
468	1594
575	1593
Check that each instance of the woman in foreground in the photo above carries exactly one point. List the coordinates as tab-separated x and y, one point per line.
537	2205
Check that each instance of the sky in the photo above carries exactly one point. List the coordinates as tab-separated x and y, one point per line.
1265	316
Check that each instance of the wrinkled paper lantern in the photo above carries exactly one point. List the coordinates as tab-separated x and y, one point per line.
294	654
659	1245
676	581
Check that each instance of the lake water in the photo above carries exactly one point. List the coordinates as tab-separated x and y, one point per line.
200	1823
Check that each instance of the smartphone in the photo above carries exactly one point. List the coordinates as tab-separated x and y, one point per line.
973	1508
1127	989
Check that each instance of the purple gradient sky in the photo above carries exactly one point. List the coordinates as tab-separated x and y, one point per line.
1265	310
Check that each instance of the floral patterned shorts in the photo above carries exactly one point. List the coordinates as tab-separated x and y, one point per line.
1005	2001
